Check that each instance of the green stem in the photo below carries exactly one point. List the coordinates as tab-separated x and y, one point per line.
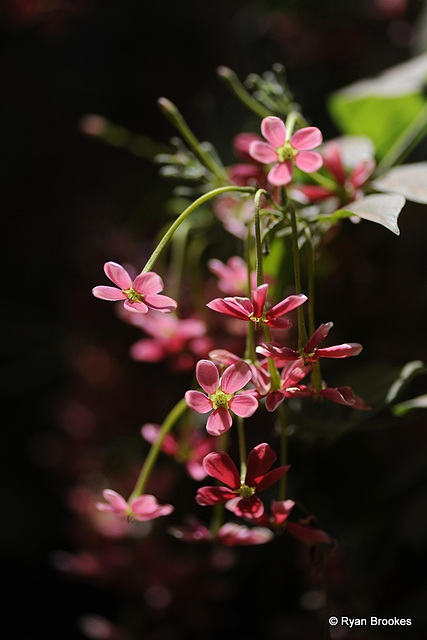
170	420
258	244
233	83
242	446
310	283
250	336
291	119
302	333
404	144
174	226
175	117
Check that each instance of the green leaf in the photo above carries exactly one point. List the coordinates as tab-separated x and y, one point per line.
420	402
384	107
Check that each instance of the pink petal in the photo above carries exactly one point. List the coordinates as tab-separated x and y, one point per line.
279	323
281	509
135	307
341	395
244	405
160	302
258	299
273	129
207	496
307	138
263	152
117	501
260	460
273	400
281	173
235	377
232	534
332	162
108	293
219	422
361	173
146	283
147	351
308	534
219	465
340	350
118	274
236	307
150	432
146	507
318	336
309	161
251	509
285	306
197	401
207	376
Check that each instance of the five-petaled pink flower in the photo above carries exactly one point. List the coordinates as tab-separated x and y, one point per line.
143	508
221	395
241	494
286	152
254	310
311	353
139	295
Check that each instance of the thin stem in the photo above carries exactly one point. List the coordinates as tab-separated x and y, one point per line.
175	117
233	83
170	420
310	283
250	336
242	446
290	123
302	333
258	244
174	226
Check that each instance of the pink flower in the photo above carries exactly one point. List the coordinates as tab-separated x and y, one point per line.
311	353
285	153
143	508
189	448
221	397
253	310
182	339
232	275
240	495
139	295
230	534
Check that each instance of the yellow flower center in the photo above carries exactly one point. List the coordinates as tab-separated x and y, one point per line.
246	492
132	295
220	399
287	152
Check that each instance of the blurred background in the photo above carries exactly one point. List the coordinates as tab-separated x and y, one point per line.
72	395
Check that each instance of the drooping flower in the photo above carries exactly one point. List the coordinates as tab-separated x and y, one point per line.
254	310
285	153
142	508
310	353
221	396
240	495
139	295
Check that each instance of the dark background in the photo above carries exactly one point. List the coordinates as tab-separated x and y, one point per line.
70	202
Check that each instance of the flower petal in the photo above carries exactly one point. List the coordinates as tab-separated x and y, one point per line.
235	377
251	509
236	307
307	138
160	302
285	306
281	509
147	350
219	465
273	400
260	460
274	131
262	152
281	173
135	307
117	501
340	350
258	299
207	496
244	405
207	376
309	161
146	507
219	422
318	336
118	274
272	477
197	401
104	292
146	283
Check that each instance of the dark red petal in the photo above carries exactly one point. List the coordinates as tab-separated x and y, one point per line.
260	460
219	465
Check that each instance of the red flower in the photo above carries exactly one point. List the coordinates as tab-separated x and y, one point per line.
245	502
